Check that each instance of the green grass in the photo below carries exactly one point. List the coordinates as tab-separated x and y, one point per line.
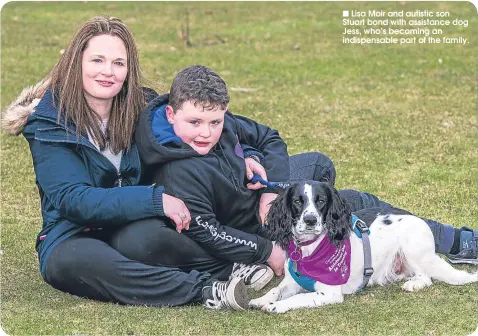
396	122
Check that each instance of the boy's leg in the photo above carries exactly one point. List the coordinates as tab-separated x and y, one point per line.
312	166
152	242
461	243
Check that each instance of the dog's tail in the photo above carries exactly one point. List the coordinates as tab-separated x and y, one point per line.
439	269
419	251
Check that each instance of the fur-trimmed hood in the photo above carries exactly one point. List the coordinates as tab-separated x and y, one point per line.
15	117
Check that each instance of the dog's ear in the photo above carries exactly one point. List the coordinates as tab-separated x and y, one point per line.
279	219
338	217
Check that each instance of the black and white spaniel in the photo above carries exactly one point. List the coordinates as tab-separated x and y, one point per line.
326	257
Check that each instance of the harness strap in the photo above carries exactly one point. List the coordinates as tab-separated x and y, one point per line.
360	227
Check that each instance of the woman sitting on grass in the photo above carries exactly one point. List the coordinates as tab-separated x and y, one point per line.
88	170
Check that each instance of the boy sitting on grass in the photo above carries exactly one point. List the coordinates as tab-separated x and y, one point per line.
195	145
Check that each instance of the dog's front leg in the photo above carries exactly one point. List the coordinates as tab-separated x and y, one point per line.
323	295
286	288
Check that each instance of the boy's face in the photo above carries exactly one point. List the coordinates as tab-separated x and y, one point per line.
199	128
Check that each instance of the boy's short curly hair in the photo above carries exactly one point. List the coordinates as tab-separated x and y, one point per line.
199	85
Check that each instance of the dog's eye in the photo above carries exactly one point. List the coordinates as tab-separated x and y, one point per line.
297	202
320	201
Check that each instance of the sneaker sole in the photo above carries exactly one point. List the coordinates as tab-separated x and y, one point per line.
463	261
263	281
237	294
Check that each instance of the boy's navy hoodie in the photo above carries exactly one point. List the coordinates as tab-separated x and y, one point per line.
224	213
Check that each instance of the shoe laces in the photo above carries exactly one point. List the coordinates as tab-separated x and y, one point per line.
219	298
244	271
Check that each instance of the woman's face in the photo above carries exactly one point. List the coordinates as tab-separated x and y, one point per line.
104	69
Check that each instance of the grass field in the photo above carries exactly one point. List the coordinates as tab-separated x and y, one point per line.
399	121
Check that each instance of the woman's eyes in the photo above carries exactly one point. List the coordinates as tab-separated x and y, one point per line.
98	60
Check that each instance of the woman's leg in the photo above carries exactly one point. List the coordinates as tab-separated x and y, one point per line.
88	267
312	166
151	241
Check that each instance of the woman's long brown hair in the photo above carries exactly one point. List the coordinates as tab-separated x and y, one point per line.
67	87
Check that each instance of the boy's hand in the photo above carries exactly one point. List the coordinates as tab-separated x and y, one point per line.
175	209
276	260
252	166
265	204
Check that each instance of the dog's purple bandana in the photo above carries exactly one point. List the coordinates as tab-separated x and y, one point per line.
328	264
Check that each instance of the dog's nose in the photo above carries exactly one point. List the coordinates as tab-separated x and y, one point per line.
310	220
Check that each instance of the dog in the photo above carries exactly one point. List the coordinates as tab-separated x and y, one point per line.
309	216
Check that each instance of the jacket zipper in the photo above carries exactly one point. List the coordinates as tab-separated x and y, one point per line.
119	181
120	178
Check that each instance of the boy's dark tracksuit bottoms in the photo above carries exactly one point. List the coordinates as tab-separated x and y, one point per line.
148	263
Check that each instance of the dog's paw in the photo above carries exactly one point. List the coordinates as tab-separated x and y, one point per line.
416	283
276	308
258	303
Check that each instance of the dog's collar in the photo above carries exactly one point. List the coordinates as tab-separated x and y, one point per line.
305	243
296	254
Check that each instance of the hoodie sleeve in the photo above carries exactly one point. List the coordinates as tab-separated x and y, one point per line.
269	143
63	179
220	240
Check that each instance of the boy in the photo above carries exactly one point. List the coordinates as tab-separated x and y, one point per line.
203	164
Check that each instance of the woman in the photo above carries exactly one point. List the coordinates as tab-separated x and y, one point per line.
88	169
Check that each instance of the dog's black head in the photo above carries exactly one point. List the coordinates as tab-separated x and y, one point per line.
306	210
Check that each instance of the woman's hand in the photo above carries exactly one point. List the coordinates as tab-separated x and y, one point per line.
276	260
252	166
265	204
175	209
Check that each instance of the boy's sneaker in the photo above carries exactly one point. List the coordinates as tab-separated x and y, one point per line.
226	294
255	276
467	255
